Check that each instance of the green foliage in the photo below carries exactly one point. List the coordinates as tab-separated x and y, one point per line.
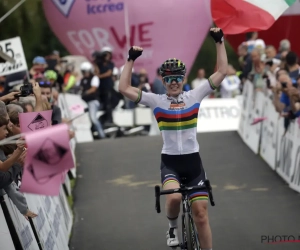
29	22
207	58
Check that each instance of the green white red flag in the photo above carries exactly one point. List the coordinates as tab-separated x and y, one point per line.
240	16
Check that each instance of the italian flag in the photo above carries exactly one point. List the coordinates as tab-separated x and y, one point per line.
239	16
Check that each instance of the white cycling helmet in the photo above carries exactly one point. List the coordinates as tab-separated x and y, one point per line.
115	71
86	66
106	49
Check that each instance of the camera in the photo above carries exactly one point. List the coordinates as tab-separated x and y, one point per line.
26	89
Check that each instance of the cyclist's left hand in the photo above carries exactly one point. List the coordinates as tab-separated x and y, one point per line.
217	35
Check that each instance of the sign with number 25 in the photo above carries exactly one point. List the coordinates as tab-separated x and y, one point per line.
13	48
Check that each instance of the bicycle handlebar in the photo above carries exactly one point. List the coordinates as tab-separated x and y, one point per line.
206	187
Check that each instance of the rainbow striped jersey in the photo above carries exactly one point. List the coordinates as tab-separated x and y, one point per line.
177	118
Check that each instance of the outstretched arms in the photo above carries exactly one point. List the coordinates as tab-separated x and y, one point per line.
216	79
125	88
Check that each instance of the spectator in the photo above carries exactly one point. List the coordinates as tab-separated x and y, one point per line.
200	79
186	86
51	76
272	66
105	68
69	78
11	167
284	48
244	60
270	52
157	85
253	42
230	86
292	65
3	86
46	90
282	93
38	68
90	85
258	70
144	81
135	83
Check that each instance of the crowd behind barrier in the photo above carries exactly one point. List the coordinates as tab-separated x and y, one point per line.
52	227
279	147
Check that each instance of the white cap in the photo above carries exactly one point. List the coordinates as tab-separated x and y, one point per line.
259	44
86	66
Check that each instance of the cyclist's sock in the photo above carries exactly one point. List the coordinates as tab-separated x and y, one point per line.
172	222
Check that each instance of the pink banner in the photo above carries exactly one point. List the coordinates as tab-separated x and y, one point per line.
43	186
165	29
33	121
49	151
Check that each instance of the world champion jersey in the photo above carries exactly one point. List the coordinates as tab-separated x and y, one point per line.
177	118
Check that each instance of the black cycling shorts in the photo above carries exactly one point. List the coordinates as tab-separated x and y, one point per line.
186	169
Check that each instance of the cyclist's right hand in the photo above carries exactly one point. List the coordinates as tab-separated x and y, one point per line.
134	53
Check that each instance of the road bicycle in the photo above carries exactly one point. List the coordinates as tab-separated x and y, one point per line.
189	232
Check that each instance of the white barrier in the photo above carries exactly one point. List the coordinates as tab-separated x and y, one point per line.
218	115
6	240
280	150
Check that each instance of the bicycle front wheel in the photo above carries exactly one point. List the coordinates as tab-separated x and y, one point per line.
190	233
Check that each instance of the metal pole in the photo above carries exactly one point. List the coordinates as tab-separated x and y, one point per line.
12	10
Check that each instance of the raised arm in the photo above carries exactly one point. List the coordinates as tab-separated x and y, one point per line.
216	79
125	88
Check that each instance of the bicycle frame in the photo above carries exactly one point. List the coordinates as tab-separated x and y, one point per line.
186	208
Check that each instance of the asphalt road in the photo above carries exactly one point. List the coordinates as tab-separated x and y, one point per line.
114	196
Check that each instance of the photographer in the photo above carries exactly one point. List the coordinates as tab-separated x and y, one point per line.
284	93
103	61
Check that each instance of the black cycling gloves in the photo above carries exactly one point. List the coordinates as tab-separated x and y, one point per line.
133	54
217	35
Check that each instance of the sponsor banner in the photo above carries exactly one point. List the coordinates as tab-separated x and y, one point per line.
279	148
22	227
284	150
218	115
246	103
252	129
269	133
295	169
5	238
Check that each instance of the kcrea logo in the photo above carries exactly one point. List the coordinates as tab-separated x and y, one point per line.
64	6
104	6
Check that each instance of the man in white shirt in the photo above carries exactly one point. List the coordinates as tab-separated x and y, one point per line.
230	86
200	79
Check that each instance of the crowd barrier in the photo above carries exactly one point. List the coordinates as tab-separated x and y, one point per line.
214	115
51	229
280	150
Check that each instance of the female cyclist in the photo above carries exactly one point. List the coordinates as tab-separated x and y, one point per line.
176	113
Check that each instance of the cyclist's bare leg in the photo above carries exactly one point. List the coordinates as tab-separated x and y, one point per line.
172	201
200	216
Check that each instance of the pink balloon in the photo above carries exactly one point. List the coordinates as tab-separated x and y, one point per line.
164	28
